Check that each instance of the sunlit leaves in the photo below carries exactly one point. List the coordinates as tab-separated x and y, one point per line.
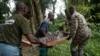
3	8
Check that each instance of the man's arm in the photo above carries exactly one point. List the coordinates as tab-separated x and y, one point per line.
43	32
26	42
43	28
33	39
73	29
25	28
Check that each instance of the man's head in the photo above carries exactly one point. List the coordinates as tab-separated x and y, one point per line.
51	16
21	8
71	9
68	14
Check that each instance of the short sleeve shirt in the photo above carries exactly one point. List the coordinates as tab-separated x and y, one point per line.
44	26
13	29
78	24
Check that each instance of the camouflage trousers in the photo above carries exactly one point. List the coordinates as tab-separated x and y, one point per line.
77	47
78	43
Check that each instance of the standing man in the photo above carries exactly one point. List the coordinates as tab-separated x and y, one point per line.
43	30
12	32
80	32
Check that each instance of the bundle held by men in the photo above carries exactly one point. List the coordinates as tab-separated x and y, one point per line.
52	38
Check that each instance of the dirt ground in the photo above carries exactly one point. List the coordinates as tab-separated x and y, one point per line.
29	50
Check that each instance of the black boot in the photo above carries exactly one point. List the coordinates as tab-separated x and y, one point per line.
74	53
80	52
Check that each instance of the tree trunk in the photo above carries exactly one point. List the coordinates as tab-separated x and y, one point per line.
37	16
33	18
43	8
38	11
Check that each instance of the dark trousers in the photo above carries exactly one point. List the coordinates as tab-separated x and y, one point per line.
43	51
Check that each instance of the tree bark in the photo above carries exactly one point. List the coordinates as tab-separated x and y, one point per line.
33	18
38	11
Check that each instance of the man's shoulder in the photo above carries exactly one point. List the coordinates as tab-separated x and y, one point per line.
18	16
46	21
77	15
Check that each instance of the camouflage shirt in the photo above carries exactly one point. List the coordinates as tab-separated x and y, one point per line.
78	25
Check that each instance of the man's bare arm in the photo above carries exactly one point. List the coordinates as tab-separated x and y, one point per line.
34	40
43	32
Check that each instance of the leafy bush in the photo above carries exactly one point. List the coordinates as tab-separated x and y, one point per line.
84	9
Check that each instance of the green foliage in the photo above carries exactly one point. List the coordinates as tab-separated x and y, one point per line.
58	23
84	9
46	3
93	47
61	49
95	10
94	1
2	19
3	10
89	8
5	0
98	15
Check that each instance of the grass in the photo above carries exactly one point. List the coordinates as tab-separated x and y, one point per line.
93	48
62	49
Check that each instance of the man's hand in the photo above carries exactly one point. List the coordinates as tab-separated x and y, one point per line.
26	42
43	45
68	38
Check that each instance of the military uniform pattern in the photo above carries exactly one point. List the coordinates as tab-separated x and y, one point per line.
80	33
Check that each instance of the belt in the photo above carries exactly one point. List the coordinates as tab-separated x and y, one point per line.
8	43
2	42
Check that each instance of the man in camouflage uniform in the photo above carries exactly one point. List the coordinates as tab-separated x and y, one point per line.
80	32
